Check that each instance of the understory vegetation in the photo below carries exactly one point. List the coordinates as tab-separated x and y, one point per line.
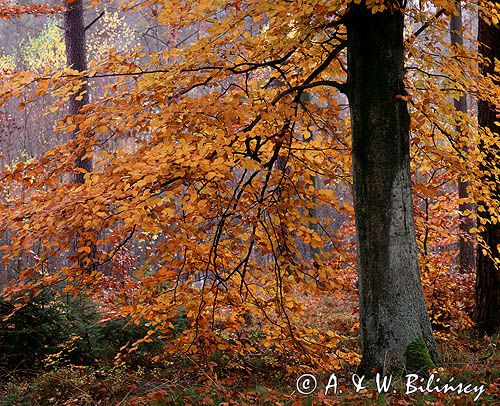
59	351
249	202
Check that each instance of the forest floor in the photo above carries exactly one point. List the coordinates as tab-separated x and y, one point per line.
465	358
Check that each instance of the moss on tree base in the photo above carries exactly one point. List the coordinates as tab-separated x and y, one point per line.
418	359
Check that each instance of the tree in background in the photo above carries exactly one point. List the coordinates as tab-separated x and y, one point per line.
76	55
45	49
466	254
488	265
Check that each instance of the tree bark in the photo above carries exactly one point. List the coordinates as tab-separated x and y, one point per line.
487	276
76	56
466	257
393	312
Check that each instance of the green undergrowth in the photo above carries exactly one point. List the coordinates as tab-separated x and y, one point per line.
50	332
187	382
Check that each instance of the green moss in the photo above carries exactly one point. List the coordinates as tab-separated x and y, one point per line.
418	359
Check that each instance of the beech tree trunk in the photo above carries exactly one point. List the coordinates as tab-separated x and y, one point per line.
466	257
76	56
487	277
393	312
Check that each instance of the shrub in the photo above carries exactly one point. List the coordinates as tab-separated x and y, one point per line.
49	332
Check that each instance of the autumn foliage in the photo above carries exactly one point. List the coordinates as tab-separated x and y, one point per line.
219	206
9	10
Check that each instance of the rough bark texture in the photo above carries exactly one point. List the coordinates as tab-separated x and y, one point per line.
466	254
76	56
393	312
488	278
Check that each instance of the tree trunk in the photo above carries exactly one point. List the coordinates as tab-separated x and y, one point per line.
488	277
393	312
466	255
76	55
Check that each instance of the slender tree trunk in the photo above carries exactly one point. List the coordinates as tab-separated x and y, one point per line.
76	55
393	312
488	277
466	257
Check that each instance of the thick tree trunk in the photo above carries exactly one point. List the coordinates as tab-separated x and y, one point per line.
487	277
76	55
466	257
393	312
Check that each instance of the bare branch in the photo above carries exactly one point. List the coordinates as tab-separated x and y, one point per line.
428	23
95	20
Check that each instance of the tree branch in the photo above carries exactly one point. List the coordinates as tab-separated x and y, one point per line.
340	86
427	23
94	21
329	59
